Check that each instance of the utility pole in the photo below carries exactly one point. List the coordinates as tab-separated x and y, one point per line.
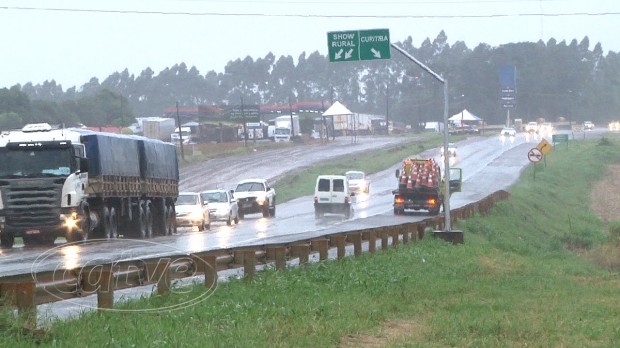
387	107
245	131
290	109
180	133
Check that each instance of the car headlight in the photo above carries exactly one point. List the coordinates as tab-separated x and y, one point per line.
196	215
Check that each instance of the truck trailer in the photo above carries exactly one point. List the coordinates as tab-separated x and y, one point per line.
420	186
158	127
79	184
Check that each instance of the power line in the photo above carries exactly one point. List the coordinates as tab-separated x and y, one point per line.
401	16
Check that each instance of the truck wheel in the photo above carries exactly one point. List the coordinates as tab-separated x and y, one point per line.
142	221
110	223
201	226
7	239
85	226
272	211
170	221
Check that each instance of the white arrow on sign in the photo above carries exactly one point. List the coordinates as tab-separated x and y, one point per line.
338	54
376	53
348	54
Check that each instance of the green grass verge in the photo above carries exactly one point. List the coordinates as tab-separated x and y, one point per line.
519	280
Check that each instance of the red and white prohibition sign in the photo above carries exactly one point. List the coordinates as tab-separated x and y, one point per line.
534	155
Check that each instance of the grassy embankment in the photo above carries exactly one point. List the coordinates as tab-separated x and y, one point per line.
529	274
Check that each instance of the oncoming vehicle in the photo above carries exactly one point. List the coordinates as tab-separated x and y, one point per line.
332	195
192	211
451	150
531	127
358	182
546	128
222	206
508	131
588	125
255	196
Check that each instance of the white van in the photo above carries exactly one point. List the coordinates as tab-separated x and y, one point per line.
332	195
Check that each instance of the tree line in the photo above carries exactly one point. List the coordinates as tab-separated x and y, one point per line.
553	79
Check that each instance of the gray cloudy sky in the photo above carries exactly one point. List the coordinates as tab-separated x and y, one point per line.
72	41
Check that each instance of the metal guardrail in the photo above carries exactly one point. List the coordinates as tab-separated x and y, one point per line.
27	291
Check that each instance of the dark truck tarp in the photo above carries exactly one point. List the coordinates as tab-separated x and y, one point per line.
158	160
111	154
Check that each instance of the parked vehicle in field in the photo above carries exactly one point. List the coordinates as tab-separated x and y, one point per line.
192	211
508	131
588	125
255	196
358	181
222	205
79	184
332	195
420	186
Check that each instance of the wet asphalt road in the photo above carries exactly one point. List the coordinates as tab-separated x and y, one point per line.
489	164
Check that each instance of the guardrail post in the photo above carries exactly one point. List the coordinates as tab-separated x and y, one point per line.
405	232
21	295
339	241
372	241
249	264
356	238
384	238
162	273
420	229
320	245
395	231
206	264
280	256
301	251
105	289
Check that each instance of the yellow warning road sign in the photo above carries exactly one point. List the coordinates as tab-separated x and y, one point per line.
544	146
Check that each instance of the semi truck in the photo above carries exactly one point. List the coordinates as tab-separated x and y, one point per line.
78	184
421	186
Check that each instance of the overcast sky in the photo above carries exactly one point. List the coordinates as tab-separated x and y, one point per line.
72	41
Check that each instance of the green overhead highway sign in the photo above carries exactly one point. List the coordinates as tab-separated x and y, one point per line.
353	45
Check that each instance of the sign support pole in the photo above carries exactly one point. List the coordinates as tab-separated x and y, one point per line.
448	234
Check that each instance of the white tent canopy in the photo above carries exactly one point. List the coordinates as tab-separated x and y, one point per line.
337	109
465	116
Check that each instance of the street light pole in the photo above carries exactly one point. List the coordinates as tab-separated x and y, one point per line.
448	234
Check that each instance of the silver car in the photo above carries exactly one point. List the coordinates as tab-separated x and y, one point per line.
222	206
192	211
